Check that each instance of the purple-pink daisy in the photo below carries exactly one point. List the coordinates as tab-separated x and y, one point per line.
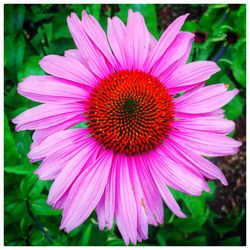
150	122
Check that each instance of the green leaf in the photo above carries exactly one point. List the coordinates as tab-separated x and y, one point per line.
195	208
39	13
14	15
11	202
238	65
48	32
161	239
37	237
59	46
239	74
217	6
25	224
225	225
86	235
172	234
14	208
232	241
203	51
30	67
95	10
115	242
13	101
234	109
196	241
100	236
23	141
191	26
74	232
147	10
27	184
40	207
37	189
194	204
15	45
60	29
209	196
10	150
23	169
78	8
190	225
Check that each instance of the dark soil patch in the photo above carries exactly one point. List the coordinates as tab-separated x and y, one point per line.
167	13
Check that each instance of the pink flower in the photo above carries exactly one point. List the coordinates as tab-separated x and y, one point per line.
140	137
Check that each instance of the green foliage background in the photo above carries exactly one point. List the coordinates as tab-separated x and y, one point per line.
33	31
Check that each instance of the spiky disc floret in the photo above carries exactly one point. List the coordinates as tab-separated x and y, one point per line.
130	112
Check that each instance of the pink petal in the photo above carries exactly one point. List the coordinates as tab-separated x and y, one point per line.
206	143
196	102
175	51
48	78
87	48
120	222
210	123
56	142
174	91
126	210
75	54
68	68
110	196
106	206
116	36
152	43
47	115
52	91
192	73
181	61
176	175
97	35
207	168
218	113
52	165
164	42
72	170
165	193
140	200
137	40
86	192
100	211
40	134
152	196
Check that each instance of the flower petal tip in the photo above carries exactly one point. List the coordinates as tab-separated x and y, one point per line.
235	91
183	216
15	120
215	66
207	188
62	228
186	15
36	172
224	182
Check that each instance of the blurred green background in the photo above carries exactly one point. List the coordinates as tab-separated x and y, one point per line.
33	31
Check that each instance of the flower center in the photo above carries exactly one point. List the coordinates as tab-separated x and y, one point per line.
130	112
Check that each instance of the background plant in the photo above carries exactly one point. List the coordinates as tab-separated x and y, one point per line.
33	31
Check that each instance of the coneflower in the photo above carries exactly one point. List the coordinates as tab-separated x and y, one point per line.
140	136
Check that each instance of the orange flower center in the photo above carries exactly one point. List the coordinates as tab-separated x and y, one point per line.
130	112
